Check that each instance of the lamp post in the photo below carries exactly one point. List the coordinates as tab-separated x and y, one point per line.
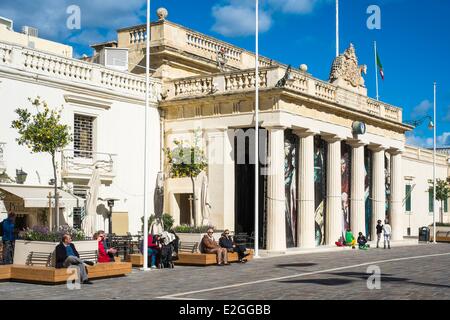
110	202
431	125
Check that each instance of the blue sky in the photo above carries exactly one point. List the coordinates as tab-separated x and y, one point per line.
414	40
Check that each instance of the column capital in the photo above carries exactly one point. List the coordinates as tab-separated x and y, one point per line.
303	132
273	126
356	143
377	147
395	151
329	137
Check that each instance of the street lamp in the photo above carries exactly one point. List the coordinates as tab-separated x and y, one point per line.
431	125
110	202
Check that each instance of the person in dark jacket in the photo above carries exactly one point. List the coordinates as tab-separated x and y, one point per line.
67	256
379	228
362	241
8	238
226	241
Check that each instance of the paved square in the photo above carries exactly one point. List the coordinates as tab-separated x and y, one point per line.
411	272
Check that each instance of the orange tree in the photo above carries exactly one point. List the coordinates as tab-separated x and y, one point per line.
187	161
43	132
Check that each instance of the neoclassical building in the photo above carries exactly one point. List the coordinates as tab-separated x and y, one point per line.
331	158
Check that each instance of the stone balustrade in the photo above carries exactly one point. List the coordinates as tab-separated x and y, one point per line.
245	80
138	35
58	68
194	86
212	46
302	83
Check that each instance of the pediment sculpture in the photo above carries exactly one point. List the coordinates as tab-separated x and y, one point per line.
345	69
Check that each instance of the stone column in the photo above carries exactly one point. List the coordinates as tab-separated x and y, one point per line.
276	221
333	223
396	201
305	207
357	203
378	189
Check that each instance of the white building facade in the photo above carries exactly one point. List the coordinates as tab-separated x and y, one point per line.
331	158
105	111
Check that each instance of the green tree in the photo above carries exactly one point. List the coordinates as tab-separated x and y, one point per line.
42	132
442	193
187	160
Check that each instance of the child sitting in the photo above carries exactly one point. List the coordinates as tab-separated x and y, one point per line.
362	242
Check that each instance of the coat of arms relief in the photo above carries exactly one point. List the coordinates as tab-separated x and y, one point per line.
346	71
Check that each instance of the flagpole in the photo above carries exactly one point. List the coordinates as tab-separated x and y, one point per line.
256	240
434	165
147	102
376	69
337	28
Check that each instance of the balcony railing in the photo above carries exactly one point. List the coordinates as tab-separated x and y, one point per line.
302	83
65	70
80	163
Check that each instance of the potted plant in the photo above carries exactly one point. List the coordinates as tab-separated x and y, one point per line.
41	239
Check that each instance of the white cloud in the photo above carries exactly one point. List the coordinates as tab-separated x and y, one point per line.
427	142
50	17
237	18
295	6
422	108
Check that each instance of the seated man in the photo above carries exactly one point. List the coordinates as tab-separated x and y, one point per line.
210	245
226	241
67	255
350	239
362	241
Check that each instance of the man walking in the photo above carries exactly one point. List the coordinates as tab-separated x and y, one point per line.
8	238
387	234
379	232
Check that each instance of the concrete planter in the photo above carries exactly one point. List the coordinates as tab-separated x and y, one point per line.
24	247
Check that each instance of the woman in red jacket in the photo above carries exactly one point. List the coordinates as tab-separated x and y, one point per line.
102	254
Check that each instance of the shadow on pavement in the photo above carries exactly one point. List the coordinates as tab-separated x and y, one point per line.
285	265
323	282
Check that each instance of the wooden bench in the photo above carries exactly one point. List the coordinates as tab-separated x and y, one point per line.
39	269
50	275
188	255
5	272
443	236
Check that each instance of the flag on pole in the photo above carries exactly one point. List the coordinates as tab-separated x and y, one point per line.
380	66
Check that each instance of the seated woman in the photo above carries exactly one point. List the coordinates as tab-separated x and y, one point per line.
350	239
362	241
210	245
226	241
153	250
104	254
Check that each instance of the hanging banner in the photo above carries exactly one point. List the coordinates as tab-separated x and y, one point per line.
290	185
320	188
368	191
346	153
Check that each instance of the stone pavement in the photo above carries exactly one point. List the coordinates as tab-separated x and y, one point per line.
410	272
